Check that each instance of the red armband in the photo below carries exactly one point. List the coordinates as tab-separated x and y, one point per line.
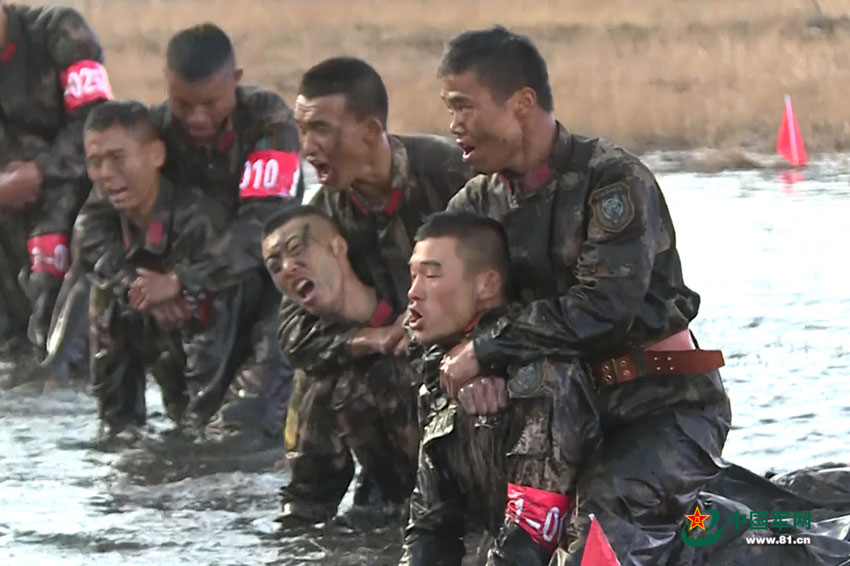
84	82
542	514
49	254
269	173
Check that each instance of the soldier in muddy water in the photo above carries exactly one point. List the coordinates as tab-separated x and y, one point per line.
51	75
367	408
139	321
599	281
377	187
515	467
240	145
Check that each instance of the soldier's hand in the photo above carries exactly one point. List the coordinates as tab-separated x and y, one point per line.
20	185
458	367
172	314
400	349
380	340
152	288
483	396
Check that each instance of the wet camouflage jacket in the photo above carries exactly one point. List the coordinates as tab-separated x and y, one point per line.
466	463
51	72
597	274
426	172
593	253
183	219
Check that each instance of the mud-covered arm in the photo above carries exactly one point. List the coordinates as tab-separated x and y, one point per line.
317	346
613	275
269	184
99	243
321	345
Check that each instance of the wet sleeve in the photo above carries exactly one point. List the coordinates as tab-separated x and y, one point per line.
436	526
270	183
315	345
613	275
98	241
77	54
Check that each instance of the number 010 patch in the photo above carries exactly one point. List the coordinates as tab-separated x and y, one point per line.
542	514
269	173
84	82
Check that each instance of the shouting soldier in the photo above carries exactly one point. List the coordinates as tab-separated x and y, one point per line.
377	187
598	277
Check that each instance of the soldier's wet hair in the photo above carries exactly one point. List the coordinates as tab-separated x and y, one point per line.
301	211
362	86
129	114
199	52
482	242
503	61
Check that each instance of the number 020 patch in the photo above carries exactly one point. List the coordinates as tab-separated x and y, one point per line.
84	82
269	173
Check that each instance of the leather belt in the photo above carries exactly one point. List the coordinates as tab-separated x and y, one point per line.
623	369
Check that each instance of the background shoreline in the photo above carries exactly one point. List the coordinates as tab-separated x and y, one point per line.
652	75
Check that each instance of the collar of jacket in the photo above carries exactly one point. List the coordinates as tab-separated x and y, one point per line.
399	179
531	182
155	240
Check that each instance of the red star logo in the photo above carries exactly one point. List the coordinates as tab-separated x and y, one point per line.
697	519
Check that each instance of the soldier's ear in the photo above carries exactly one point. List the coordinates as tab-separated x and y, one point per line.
339	246
523	101
237	75
157	149
373	130
488	285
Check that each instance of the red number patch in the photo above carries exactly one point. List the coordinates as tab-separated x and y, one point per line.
269	173
542	514
49	254
85	82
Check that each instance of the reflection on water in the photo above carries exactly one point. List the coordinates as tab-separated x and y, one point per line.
767	256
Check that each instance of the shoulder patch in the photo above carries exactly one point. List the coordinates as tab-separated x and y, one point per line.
612	207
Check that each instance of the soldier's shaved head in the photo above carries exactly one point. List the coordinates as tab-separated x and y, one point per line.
481	241
319	219
307	258
503	61
129	114
362	86
199	52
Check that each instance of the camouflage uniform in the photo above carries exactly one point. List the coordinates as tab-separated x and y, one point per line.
598	276
368	409
229	266
426	172
51	74
484	466
126	343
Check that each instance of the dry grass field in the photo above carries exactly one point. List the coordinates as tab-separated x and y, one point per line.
646	73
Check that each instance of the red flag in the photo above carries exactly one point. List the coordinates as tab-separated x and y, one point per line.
597	550
789	144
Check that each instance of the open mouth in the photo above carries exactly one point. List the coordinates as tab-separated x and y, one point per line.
117	194
468	149
323	170
414	319
305	290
